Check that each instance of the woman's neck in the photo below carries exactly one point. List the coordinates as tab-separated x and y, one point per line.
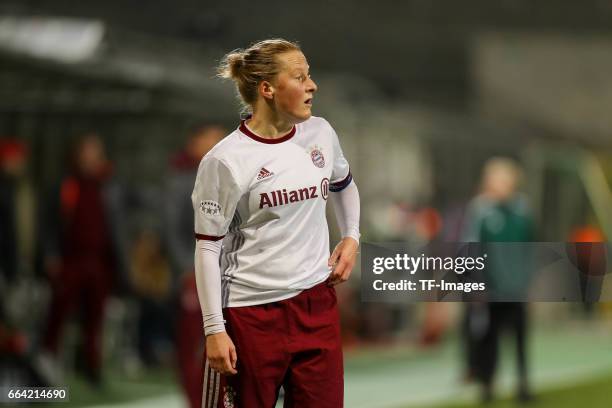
268	125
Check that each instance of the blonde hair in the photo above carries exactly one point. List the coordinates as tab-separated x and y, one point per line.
501	175
248	67
505	166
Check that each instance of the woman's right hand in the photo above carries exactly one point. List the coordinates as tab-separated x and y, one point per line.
221	353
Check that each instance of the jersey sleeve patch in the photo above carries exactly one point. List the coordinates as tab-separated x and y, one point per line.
215	197
210	207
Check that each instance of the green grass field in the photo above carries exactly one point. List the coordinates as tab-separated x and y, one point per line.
592	394
118	390
569	368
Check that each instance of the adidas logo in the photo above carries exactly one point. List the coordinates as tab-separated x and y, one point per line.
263	173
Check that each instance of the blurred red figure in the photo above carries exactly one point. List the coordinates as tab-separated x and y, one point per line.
81	265
179	220
586	249
190	342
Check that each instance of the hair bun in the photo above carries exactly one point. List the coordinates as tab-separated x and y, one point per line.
248	67
234	62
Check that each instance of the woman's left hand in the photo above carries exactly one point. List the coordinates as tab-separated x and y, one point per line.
342	261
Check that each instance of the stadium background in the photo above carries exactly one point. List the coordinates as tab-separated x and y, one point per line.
422	93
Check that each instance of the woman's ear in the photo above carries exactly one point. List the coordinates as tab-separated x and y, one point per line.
266	89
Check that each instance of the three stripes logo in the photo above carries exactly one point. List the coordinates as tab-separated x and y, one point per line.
264	173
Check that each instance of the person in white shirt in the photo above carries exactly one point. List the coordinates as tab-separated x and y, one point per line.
262	242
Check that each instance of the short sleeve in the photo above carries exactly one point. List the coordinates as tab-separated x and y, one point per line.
215	197
341	174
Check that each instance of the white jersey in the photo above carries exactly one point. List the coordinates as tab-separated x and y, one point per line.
266	199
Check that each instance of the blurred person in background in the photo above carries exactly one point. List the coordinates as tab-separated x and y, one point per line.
586	249
150	280
83	254
17	263
179	239
17	214
498	214
178	209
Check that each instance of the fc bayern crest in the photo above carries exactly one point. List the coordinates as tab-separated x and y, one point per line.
316	154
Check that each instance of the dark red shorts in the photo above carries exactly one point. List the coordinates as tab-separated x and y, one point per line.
294	343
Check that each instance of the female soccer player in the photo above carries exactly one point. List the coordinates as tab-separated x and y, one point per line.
262	193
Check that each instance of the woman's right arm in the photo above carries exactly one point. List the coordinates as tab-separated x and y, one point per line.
220	349
215	197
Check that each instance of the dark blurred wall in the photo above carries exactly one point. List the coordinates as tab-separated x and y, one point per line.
415	49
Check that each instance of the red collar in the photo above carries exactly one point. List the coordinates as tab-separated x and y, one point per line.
244	129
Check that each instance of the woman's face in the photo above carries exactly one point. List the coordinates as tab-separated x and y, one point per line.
293	87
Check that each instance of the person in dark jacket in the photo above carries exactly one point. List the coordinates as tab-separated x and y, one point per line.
500	214
179	223
83	253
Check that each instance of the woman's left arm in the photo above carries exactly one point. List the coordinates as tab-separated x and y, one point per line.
346	207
